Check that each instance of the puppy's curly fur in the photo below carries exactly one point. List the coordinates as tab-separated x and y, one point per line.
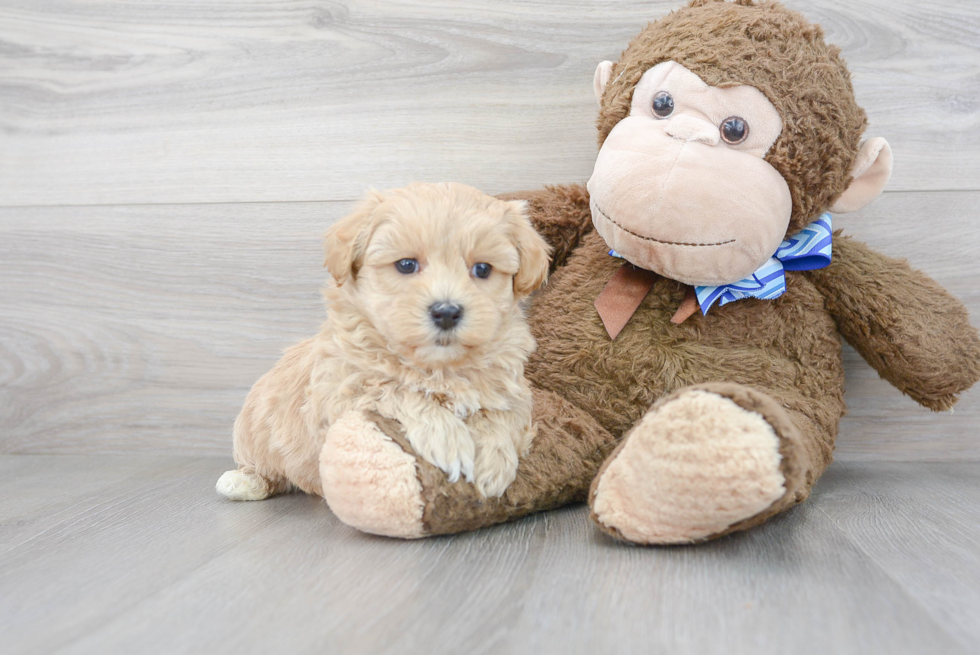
458	390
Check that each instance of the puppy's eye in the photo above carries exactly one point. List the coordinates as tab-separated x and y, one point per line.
407	266
663	104
481	270
734	130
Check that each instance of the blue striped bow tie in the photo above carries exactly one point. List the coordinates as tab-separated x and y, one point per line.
808	249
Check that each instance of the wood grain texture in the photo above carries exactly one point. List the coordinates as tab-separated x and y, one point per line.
248	100
142	556
141	328
921	526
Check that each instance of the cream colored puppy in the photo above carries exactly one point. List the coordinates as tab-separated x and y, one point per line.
423	326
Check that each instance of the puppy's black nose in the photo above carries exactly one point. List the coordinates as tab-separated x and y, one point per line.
445	315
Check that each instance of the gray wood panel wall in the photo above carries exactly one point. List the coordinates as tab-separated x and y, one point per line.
167	169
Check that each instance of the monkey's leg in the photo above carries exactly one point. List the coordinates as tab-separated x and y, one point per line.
373	480
706	461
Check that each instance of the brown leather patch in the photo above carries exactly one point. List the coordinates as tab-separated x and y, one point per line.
688	306
624	292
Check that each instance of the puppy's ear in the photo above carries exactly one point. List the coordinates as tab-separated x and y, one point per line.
346	241
535	253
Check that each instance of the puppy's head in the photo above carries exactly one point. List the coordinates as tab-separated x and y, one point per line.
436	268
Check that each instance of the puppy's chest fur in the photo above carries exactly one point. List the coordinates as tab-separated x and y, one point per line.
462	408
343	382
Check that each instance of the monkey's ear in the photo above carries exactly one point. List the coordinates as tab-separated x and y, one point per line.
346	241
534	252
602	73
871	170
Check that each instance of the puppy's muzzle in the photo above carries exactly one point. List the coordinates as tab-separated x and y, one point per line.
446	315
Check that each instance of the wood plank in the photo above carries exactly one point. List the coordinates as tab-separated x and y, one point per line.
794	585
158	563
219	101
922	526
35	491
155	318
88	556
141	328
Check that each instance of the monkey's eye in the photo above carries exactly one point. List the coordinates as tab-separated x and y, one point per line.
663	104
407	266
481	270
734	130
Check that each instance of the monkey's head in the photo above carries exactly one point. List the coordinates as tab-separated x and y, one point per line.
724	128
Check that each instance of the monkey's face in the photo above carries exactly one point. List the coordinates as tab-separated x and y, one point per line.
681	186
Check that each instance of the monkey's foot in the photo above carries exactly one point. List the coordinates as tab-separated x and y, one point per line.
704	461
369	481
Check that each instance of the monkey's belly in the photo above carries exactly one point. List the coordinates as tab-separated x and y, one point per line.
788	347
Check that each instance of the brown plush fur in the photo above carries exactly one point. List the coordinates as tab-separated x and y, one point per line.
778	52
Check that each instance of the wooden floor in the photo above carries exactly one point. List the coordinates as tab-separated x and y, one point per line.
139	555
166	171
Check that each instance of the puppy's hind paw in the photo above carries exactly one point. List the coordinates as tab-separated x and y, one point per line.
238	485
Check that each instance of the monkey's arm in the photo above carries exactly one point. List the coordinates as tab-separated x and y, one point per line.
560	214
905	325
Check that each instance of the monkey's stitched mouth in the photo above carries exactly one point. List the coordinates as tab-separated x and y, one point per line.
646	238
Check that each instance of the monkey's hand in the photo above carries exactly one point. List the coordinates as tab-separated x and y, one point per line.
560	214
905	325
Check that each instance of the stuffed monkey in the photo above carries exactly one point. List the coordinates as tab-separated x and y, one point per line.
688	380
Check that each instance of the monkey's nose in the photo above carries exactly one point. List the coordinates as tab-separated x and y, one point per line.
688	128
446	315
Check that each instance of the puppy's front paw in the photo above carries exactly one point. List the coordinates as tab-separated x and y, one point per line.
496	468
451	450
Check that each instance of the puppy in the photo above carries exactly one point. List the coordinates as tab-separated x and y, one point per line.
423	326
